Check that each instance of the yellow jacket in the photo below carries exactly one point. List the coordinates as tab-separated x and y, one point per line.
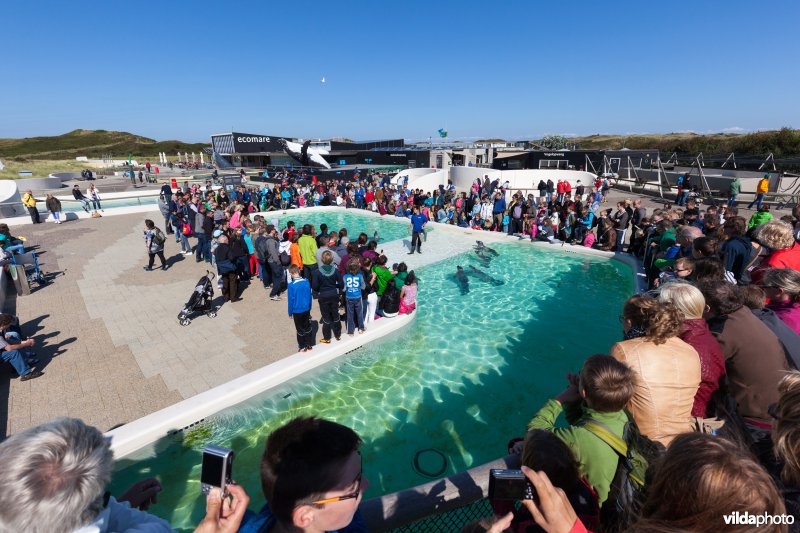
763	186
29	200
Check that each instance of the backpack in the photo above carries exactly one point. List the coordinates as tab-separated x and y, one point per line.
518	211
636	454
158	237
186	229
285	259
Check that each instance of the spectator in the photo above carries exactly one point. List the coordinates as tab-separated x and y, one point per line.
408	294
154	240
55	477
786	442
299	299
782	288
354	285
700	480
389	305
313	479
328	285
598	395
761	191
30	203
667	369
754	357
690	302
307	246
779	238
15	351
754	298
78	195
737	250
226	268
54	206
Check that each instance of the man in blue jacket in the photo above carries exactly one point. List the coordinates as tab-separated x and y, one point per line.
418	222
299	296
498	211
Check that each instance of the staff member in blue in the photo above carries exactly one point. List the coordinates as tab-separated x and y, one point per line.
418	222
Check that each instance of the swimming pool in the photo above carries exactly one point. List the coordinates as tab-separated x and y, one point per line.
389	228
443	395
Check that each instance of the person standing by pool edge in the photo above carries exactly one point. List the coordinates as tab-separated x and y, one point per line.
30	202
418	222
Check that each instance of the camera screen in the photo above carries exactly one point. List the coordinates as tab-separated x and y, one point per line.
211	473
505	485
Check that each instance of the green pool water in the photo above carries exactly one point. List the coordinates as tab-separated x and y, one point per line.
442	395
388	228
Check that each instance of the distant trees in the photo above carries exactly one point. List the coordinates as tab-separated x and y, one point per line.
554	142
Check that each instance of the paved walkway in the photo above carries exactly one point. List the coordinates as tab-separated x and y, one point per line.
107	331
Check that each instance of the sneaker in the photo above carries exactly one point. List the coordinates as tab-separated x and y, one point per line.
339	338
349	334
275	298
31	375
325	341
361	331
148	268
164	267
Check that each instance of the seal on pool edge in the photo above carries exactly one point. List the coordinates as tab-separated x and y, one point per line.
436	453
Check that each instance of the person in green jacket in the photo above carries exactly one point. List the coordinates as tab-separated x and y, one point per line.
308	251
600	394
733	190
400	273
759	217
382	273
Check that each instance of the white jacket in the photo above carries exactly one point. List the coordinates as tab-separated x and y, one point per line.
93	195
486	211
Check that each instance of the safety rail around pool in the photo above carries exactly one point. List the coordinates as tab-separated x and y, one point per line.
443	505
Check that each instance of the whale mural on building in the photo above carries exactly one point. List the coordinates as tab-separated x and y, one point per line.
306	156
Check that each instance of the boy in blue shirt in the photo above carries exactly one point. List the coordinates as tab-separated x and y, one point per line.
418	222
299	296
353	284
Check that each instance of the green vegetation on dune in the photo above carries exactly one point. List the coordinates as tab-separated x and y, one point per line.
93	144
785	141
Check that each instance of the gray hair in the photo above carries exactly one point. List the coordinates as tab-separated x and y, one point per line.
54	476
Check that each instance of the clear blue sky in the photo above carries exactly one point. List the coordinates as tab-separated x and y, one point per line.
185	70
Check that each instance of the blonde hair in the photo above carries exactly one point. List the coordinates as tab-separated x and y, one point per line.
685	297
775	235
786	430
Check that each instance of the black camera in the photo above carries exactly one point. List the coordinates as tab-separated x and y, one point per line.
510	485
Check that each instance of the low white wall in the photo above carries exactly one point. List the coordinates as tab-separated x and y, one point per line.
464	177
139	433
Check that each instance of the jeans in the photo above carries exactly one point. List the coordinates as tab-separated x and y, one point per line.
277	275
18	248
360	202
515	226
243	267
355	315
55	215
203	249
85	204
185	246
732	200
96	204
265	272
621	239
167	225
757	201
15	359
302	323
329	307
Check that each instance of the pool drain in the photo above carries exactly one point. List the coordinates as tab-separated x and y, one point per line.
430	462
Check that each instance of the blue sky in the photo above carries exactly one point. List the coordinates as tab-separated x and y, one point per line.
185	70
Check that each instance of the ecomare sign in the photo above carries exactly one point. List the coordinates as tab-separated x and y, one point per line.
252	139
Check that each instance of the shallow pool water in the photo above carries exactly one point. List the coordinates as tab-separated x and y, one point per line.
388	228
440	396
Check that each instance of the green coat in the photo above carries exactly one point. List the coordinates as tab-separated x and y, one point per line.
735	187
383	276
759	218
597	461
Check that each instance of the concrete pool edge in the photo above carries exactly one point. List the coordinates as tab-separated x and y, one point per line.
146	430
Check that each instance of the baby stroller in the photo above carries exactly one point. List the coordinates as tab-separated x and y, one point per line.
199	301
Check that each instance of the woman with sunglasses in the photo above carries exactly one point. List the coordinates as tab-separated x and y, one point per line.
782	287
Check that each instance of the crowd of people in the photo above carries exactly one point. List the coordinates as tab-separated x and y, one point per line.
691	422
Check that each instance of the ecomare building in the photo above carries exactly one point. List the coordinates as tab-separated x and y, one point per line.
261	151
